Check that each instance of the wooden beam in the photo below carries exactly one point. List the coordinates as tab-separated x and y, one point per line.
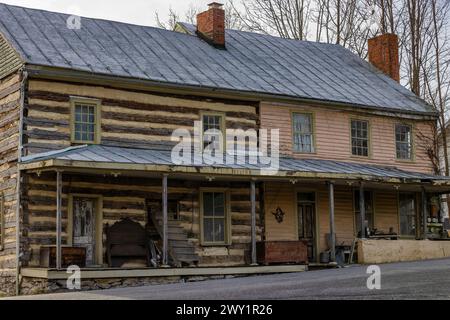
58	218
362	210
253	202
332	225
165	261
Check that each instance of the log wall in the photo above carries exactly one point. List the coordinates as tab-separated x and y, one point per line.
128	118
10	96
127	197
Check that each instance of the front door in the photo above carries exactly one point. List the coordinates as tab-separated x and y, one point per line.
306	209
84	226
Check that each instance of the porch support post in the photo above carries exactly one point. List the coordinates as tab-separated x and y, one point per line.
362	210
332	226
253	200
58	218
424	213
165	261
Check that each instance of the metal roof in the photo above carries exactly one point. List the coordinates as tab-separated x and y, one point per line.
252	63
119	155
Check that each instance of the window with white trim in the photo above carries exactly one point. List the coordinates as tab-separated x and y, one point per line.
360	138
213	131
303	134
403	141
85	121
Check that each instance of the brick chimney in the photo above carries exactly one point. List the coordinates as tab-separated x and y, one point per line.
211	25
383	54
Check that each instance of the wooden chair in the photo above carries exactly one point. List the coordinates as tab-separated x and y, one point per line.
126	241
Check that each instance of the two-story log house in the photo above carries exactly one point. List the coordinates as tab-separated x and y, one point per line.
87	112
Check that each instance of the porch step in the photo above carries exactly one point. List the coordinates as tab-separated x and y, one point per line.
180	249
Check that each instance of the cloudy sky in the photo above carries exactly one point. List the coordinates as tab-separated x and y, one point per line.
133	11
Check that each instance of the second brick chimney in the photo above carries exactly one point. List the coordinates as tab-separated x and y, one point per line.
383	54
211	25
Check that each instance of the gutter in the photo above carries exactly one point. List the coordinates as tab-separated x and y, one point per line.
19	177
55	73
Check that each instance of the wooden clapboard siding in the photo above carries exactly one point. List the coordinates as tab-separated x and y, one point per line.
332	135
280	195
129	118
10	61
10	96
129	197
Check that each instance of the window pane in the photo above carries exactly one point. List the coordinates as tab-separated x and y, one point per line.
403	141
212	131
84	122
214	220
219	205
360	138
303	132
208	204
219	230
208	229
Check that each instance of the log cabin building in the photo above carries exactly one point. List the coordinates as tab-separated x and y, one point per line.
87	112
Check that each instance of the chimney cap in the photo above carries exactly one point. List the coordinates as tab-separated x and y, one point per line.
215	5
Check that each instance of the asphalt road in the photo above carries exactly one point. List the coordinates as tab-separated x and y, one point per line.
411	280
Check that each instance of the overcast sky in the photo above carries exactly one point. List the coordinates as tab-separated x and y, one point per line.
140	12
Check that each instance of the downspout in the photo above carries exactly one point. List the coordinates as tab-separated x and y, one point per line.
19	177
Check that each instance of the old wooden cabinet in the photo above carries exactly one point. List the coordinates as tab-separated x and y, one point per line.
69	256
282	252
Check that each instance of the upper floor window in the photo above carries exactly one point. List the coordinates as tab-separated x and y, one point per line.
85	121
403	141
303	135
360	137
213	130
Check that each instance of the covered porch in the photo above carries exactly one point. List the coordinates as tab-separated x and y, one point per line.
144	186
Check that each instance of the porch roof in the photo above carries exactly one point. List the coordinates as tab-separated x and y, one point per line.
99	157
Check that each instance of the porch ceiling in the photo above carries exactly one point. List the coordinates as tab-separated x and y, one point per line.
98	158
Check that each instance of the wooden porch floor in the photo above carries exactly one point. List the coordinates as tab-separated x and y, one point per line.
53	274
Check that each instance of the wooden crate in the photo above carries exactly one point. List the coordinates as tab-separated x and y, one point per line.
69	256
282	252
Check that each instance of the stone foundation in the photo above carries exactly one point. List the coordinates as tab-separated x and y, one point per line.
386	251
33	286
7	285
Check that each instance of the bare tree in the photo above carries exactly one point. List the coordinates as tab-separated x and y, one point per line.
422	27
436	78
232	18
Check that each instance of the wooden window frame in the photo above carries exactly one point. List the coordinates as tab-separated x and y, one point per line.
98	223
222	115
412	158
227	232
2	222
369	138
87	101
313	131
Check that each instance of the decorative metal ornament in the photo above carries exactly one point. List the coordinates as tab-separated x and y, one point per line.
279	215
